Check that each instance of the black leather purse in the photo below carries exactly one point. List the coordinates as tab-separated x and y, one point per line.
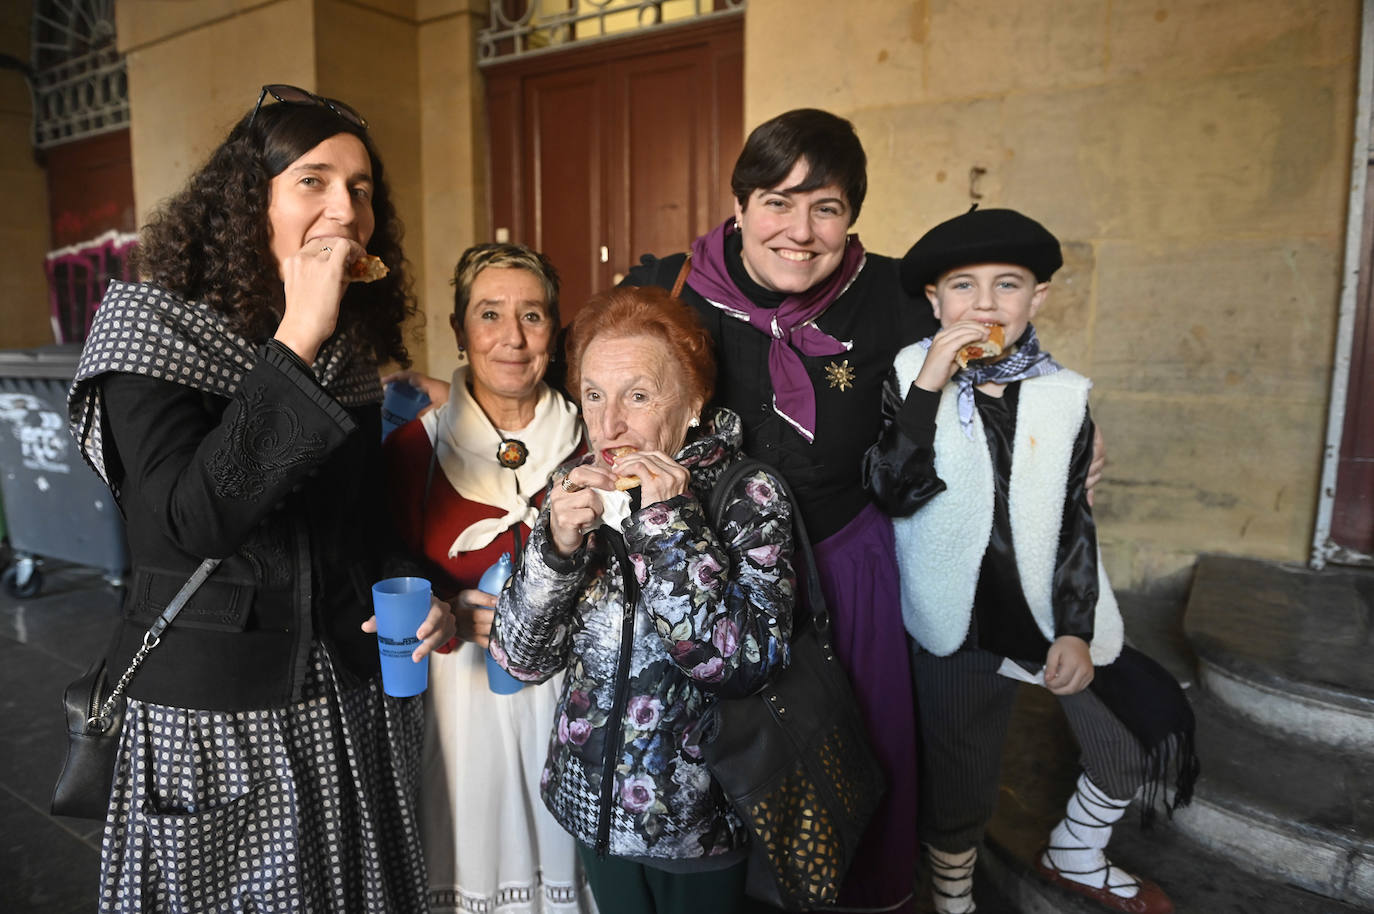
95	720
794	757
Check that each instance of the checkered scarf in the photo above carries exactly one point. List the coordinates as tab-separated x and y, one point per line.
144	329
1027	360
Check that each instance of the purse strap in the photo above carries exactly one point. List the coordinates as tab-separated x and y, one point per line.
746	466
682	276
153	637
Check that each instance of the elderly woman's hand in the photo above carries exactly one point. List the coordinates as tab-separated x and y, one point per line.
575	506
314	280
660	476
436	631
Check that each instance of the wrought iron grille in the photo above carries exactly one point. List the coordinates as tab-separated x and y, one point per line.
521	27
80	86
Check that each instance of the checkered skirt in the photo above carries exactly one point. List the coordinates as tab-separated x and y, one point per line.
308	808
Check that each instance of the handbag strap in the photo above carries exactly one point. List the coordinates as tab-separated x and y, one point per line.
682	276
153	637
746	466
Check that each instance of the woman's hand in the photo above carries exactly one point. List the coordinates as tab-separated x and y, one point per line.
475	612
660	476
315	278
1068	666
436	390
575	507
436	631
940	364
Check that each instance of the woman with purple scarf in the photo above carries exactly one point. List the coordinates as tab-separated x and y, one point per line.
806	325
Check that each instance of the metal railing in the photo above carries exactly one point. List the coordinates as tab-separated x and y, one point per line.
517	29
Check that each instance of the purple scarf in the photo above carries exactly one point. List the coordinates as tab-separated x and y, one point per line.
789	324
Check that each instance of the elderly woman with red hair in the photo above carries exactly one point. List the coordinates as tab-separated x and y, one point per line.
628	586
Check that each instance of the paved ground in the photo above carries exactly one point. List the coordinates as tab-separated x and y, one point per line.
47	864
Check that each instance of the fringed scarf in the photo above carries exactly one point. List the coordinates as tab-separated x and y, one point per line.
1152	705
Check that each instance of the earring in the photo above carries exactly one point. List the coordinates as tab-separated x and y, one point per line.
462	349
693	422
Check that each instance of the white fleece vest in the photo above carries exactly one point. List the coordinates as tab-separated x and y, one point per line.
940	547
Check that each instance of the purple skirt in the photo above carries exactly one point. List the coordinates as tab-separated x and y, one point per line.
858	571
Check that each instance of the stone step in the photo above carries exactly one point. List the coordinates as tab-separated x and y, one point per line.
1282	807
1287	648
1039	770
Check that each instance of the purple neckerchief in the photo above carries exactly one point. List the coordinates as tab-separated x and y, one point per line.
789	324
1027	360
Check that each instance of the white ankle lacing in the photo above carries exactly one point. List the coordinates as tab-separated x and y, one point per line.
1076	845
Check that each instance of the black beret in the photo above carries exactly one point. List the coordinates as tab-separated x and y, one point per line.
981	236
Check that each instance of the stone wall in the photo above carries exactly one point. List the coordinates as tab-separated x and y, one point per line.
1194	158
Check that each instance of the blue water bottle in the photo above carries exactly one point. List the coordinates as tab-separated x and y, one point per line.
493	579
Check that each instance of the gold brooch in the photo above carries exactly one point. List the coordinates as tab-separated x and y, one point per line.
841	375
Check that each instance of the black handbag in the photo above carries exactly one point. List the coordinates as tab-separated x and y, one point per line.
95	719
794	757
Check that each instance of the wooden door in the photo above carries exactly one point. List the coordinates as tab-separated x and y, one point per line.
599	155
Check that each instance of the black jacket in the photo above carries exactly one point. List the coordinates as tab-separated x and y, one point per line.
282	482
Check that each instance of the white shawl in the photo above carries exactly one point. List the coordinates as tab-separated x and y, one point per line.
465	443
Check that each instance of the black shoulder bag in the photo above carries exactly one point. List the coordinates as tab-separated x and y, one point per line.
794	757
95	720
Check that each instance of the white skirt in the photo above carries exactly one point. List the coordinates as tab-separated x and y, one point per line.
490	845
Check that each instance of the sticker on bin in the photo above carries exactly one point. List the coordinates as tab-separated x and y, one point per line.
42	434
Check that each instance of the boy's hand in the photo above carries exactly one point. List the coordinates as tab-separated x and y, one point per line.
940	364
1068	666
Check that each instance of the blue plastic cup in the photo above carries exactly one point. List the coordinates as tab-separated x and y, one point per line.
493	579
498	680
401	605
401	403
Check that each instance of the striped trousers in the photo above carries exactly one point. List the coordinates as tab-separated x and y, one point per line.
963	707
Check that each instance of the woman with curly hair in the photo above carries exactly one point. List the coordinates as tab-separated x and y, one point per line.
233	406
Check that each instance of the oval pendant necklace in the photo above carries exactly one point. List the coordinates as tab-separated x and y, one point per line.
511	453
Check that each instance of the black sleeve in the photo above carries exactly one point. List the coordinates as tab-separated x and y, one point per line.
1075	570
899	469
210	477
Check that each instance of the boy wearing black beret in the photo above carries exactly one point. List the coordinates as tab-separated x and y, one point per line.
983	463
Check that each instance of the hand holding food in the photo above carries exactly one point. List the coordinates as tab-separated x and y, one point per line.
949	351
989	348
657	475
314	279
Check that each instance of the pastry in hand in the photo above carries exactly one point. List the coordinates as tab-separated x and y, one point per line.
367	268
983	350
624	483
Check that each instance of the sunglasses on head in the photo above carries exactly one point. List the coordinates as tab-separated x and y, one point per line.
293	95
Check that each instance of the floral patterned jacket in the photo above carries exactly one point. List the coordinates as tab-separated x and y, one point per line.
704	612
